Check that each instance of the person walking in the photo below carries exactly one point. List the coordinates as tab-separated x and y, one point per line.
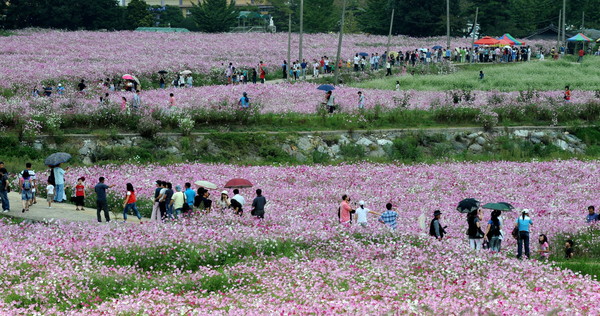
129	203
155	215
33	181
345	210
177	201
262	72
190	195
101	200
435	227
474	231
49	194
388	67
580	53
523	225
493	231
254	74
362	212
4	189
258	205
26	185
389	217
329	102
136	102
59	182
80	194
284	69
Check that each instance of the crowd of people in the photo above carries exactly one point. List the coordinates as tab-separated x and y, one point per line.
481	234
169	202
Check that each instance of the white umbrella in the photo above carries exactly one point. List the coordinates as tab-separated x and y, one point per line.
186	72
206	184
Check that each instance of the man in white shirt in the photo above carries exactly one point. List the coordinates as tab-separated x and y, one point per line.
238	197
356	62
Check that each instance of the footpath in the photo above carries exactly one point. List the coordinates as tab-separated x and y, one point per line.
64	212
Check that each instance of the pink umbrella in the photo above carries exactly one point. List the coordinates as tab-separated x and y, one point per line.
128	77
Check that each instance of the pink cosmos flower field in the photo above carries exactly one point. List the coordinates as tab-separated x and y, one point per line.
100	269
30	57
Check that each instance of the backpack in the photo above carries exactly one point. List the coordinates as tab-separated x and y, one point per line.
26	184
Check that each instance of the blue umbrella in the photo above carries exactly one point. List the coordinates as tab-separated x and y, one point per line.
437	47
363	54
56	159
326	87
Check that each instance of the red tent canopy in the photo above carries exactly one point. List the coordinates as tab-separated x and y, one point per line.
486	41
505	41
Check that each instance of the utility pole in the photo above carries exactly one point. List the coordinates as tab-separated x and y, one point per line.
447	23
287	68
390	33
301	30
474	29
564	22
582	19
559	28
339	48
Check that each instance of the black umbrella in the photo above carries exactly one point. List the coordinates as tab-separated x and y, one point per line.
468	206
56	159
162	72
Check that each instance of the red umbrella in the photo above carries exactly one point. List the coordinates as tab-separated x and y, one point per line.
238	183
486	41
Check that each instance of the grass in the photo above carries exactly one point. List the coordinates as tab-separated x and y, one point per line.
538	75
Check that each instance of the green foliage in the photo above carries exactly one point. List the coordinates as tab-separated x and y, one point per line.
214	16
586	255
405	149
63	14
352	151
138	14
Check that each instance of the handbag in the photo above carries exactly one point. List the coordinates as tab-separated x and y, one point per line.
515	232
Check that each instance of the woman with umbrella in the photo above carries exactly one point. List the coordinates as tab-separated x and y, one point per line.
474	231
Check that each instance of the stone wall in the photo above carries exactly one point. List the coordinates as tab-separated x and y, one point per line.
374	143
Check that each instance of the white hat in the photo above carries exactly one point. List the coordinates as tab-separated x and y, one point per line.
225	192
526	211
361	202
60	84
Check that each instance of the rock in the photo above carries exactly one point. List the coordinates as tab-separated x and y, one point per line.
560	144
299	156
476	148
579	151
535	140
304	144
51	146
572	139
173	150
364	142
378	153
287	148
521	133
335	149
87	161
480	140
323	149
38	146
458	146
472	135
384	142
344	140
538	134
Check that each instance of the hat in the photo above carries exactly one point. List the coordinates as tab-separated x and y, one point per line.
361	202
60	84
437	212
225	192
178	188
526	211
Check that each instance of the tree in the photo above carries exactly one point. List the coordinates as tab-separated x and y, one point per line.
138	14
320	16
168	16
214	16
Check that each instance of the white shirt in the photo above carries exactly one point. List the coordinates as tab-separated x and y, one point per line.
362	214
356	60
240	199
50	189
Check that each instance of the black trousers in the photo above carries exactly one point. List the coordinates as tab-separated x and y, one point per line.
162	206
102	206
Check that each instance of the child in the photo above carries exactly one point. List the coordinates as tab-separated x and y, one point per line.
569	249
397	85
567	94
171	100
49	194
543	250
481	75
361	100
79	194
244	101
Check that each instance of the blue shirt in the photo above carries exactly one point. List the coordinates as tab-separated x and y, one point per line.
189	196
592	217
59	175
244	102
524	223
389	218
